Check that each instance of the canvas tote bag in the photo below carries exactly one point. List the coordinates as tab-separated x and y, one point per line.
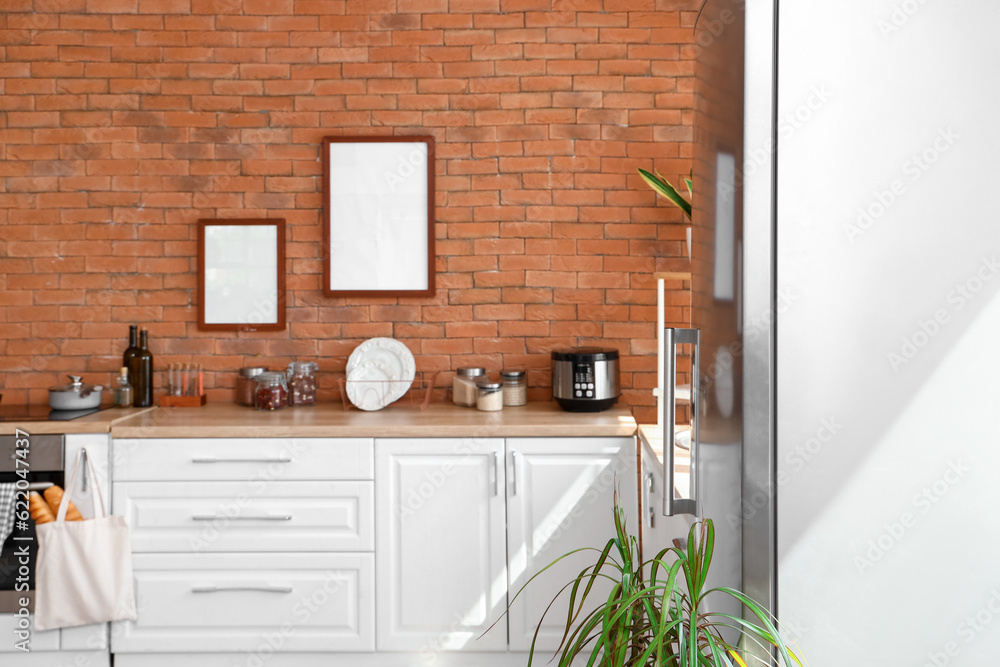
83	574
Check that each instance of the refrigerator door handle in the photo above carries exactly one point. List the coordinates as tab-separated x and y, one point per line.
671	338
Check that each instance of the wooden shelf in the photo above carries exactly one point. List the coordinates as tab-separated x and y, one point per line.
672	275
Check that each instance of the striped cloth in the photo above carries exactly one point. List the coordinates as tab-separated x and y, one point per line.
8	492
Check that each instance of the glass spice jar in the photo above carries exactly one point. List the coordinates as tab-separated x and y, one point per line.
489	396
463	387
515	387
302	383
246	385
272	393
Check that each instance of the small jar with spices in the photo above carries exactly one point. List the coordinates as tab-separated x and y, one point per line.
302	383
246	385
272	392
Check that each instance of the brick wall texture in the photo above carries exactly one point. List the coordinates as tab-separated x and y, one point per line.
122	122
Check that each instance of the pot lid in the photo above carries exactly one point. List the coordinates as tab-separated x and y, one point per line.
76	386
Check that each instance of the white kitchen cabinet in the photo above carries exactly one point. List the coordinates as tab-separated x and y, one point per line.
440	545
243	516
560	497
250	603
247	547
456	524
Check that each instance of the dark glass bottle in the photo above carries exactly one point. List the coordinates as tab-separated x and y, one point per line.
142	373
131	351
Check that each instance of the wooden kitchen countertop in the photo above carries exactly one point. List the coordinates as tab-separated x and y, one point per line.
99	422
227	420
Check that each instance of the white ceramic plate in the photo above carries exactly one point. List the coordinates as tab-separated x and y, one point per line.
368	388
379	372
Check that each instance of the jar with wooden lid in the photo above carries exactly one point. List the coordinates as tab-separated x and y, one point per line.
515	387
246	384
463	386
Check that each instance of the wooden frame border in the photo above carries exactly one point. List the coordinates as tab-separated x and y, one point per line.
237	326
328	255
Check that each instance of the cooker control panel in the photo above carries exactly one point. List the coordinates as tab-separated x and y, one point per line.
583	380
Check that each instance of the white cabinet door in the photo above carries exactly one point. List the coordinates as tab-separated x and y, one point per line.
560	497
658	531
440	544
255	604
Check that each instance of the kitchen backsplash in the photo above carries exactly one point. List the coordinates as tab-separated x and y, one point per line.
124	121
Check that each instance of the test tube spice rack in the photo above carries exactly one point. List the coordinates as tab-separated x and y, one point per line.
185	387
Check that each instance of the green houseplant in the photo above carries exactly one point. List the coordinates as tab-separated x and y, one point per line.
655	614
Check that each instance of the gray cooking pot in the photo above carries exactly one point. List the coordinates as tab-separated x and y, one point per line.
75	396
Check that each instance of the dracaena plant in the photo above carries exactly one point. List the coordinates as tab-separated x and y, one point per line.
657	613
664	188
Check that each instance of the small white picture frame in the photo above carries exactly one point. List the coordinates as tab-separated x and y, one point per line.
241	274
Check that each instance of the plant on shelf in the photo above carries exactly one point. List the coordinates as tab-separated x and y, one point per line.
656	614
664	188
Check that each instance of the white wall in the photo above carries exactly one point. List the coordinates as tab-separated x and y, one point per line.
889	546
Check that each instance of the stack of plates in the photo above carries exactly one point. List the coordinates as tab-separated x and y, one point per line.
379	372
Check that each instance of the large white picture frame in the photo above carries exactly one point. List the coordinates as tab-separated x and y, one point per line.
378	196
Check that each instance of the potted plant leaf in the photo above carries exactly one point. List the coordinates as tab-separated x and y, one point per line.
664	188
657	613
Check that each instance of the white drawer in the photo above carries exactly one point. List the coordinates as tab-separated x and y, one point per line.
83	638
242	459
247	516
250	603
38	640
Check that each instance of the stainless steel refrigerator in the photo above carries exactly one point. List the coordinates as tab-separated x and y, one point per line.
845	270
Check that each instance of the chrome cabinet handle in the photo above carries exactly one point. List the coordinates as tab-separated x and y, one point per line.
671	338
212	459
648	502
514	456
265	517
496	473
231	589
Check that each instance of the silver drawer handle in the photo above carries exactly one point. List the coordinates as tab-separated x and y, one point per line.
264	517
239	589
212	459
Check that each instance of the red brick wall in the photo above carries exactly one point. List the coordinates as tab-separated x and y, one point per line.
124	121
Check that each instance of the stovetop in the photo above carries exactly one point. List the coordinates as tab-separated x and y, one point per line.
42	413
